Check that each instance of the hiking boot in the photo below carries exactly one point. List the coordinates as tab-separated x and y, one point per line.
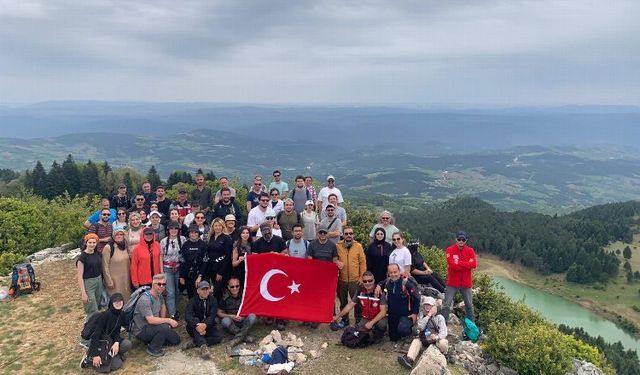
155	353
235	341
405	362
204	352
84	363
233	329
188	345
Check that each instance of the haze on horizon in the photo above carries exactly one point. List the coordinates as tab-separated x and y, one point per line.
493	52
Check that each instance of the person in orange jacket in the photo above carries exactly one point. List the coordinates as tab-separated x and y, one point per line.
146	260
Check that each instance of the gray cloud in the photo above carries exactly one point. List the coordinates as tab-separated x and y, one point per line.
378	52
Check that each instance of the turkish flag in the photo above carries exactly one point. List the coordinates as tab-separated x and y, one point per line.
284	287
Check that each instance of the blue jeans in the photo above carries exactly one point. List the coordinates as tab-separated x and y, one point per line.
173	289
245	324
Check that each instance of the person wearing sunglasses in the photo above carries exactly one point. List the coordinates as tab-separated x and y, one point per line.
151	325
461	259
386	222
276	204
228	313
278	184
374	309
139	203
254	195
400	255
121	220
258	215
103	229
121	199
96	216
351	264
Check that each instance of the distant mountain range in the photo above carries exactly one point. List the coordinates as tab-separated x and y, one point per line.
581	155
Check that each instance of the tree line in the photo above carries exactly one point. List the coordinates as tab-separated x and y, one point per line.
572	243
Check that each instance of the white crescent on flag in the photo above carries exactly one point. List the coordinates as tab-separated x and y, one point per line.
264	285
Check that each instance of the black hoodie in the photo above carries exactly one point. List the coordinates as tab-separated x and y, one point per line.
107	328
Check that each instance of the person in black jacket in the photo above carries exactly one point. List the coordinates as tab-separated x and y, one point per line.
200	317
227	206
107	346
216	263
192	253
378	255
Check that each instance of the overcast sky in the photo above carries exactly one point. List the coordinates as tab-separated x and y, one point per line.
470	53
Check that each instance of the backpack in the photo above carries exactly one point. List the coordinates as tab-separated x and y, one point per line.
279	355
293	194
306	244
90	326
470	330
353	337
23	280
130	307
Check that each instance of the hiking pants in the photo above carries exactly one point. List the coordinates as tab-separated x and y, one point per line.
346	289
434	280
467	297
93	288
379	329
115	363
211	336
156	335
394	321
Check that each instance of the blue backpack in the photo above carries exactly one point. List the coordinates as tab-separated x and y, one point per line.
471	330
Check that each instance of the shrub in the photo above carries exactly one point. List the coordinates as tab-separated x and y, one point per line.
435	258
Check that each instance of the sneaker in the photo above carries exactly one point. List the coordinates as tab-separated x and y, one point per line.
204	352
405	362
84	363
84	343
341	324
155	353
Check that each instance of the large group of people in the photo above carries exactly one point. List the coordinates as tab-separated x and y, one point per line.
155	250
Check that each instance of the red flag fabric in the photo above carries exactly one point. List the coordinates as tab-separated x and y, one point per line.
284	287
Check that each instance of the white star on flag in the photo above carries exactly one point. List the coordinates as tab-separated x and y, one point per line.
294	287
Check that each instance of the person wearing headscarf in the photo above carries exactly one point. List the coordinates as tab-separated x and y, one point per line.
146	259
115	265
377	254
107	347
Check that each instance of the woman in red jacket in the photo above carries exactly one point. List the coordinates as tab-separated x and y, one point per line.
146	260
461	259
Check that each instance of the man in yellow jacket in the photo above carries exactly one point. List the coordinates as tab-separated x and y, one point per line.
352	263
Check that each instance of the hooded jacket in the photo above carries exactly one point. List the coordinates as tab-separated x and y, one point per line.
107	328
143	264
459	272
354	261
378	256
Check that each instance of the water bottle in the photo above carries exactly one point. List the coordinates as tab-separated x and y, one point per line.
250	362
427	333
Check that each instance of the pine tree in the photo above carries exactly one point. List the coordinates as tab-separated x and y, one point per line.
39	182
90	179
106	168
153	177
210	176
57	182
128	182
71	175
626	253
199	171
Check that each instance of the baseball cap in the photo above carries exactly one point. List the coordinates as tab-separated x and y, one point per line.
173	225
194	228
461	234
148	230
424	300
323	228
203	284
309	202
155	213
330	177
230	217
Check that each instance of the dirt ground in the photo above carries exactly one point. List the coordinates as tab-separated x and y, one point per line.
40	334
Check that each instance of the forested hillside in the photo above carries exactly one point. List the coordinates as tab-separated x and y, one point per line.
550	244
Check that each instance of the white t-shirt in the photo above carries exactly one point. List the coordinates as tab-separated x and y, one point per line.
402	257
256	216
323	195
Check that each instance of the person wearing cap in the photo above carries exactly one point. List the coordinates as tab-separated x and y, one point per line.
115	265
277	183
270	219
139	203
431	329
323	195
332	223
340	212
202	193
170	247
322	248
120	199
96	216
145	259
151	325
228	313
230	227
154	223
227	206
268	242
373	309
310	221
192	253
200	316
107	346
181	203
300	195
258	214
461	259
103	229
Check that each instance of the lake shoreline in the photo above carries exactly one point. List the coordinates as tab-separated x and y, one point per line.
493	266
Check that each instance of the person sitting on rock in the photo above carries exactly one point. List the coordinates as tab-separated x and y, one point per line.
431	329
201	324
228	313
